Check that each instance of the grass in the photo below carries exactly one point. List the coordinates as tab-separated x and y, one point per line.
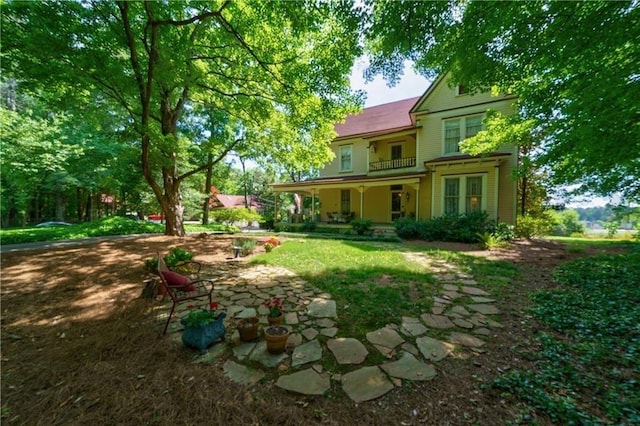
372	284
593	356
107	226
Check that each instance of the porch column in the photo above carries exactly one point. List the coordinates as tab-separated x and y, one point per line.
361	191
417	189
433	192
313	204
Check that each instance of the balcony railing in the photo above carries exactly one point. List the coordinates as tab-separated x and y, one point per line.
399	163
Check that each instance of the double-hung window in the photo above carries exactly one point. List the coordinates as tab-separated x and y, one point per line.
345	158
459	129
464	194
451	136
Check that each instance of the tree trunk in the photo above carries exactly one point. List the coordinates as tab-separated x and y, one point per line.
172	206
59	206
207	190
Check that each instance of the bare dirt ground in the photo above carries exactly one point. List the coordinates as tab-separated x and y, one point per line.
80	347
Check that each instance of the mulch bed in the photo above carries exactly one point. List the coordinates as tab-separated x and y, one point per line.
79	346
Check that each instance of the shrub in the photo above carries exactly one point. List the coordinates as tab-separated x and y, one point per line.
268	247
247	245
360	226
462	228
503	231
234	215
309	226
564	223
489	241
529	227
175	256
406	227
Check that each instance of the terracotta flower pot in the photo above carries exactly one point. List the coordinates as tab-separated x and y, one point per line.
248	329
275	320
276	337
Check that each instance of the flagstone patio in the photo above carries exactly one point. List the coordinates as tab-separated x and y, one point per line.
241	291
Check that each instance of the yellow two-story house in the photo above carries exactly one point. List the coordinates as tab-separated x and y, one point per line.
402	159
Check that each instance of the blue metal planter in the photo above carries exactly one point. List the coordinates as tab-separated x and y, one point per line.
203	336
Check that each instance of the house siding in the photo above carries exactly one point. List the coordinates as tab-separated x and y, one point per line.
425	142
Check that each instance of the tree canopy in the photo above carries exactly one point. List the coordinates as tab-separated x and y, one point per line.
575	67
166	66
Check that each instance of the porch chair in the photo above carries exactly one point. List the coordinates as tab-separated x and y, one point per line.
181	288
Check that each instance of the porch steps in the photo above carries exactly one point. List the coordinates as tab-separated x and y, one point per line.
384	231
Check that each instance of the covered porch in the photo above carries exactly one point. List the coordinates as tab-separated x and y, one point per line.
381	199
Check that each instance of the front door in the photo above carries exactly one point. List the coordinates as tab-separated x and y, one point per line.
396	202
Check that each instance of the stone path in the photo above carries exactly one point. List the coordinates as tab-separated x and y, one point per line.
461	310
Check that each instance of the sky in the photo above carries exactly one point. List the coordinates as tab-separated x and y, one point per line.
378	92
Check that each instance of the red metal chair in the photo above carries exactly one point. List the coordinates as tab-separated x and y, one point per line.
183	290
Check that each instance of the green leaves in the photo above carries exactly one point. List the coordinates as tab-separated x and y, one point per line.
598	314
573	66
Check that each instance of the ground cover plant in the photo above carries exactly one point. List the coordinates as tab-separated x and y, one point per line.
587	370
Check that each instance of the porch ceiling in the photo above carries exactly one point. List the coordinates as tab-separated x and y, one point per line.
364	181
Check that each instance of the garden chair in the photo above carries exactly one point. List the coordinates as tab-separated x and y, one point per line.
181	288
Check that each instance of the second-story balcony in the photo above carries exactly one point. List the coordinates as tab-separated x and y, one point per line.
399	163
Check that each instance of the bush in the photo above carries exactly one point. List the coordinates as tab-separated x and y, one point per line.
309	226
234	215
503	231
176	255
247	245
463	228
564	223
360	226
529	227
406	227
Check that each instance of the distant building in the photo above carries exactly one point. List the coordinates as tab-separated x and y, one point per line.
224	201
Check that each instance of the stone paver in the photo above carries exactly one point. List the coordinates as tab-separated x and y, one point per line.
437	321
474	291
347	350
433	349
466	340
366	384
409	368
241	374
386	337
306	382
310	333
307	352
320	307
412	327
242	290
484	309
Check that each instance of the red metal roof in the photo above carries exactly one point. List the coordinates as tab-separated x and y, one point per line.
394	115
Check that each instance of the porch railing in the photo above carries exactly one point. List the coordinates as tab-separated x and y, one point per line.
399	163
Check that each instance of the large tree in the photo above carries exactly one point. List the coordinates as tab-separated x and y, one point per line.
158	61
575	67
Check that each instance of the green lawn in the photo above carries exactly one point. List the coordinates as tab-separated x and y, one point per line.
107	226
372	282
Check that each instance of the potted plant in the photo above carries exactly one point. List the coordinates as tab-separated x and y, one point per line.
248	329
276	337
202	327
276	311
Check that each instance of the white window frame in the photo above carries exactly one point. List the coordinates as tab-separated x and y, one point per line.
342	152
462	191
462	127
